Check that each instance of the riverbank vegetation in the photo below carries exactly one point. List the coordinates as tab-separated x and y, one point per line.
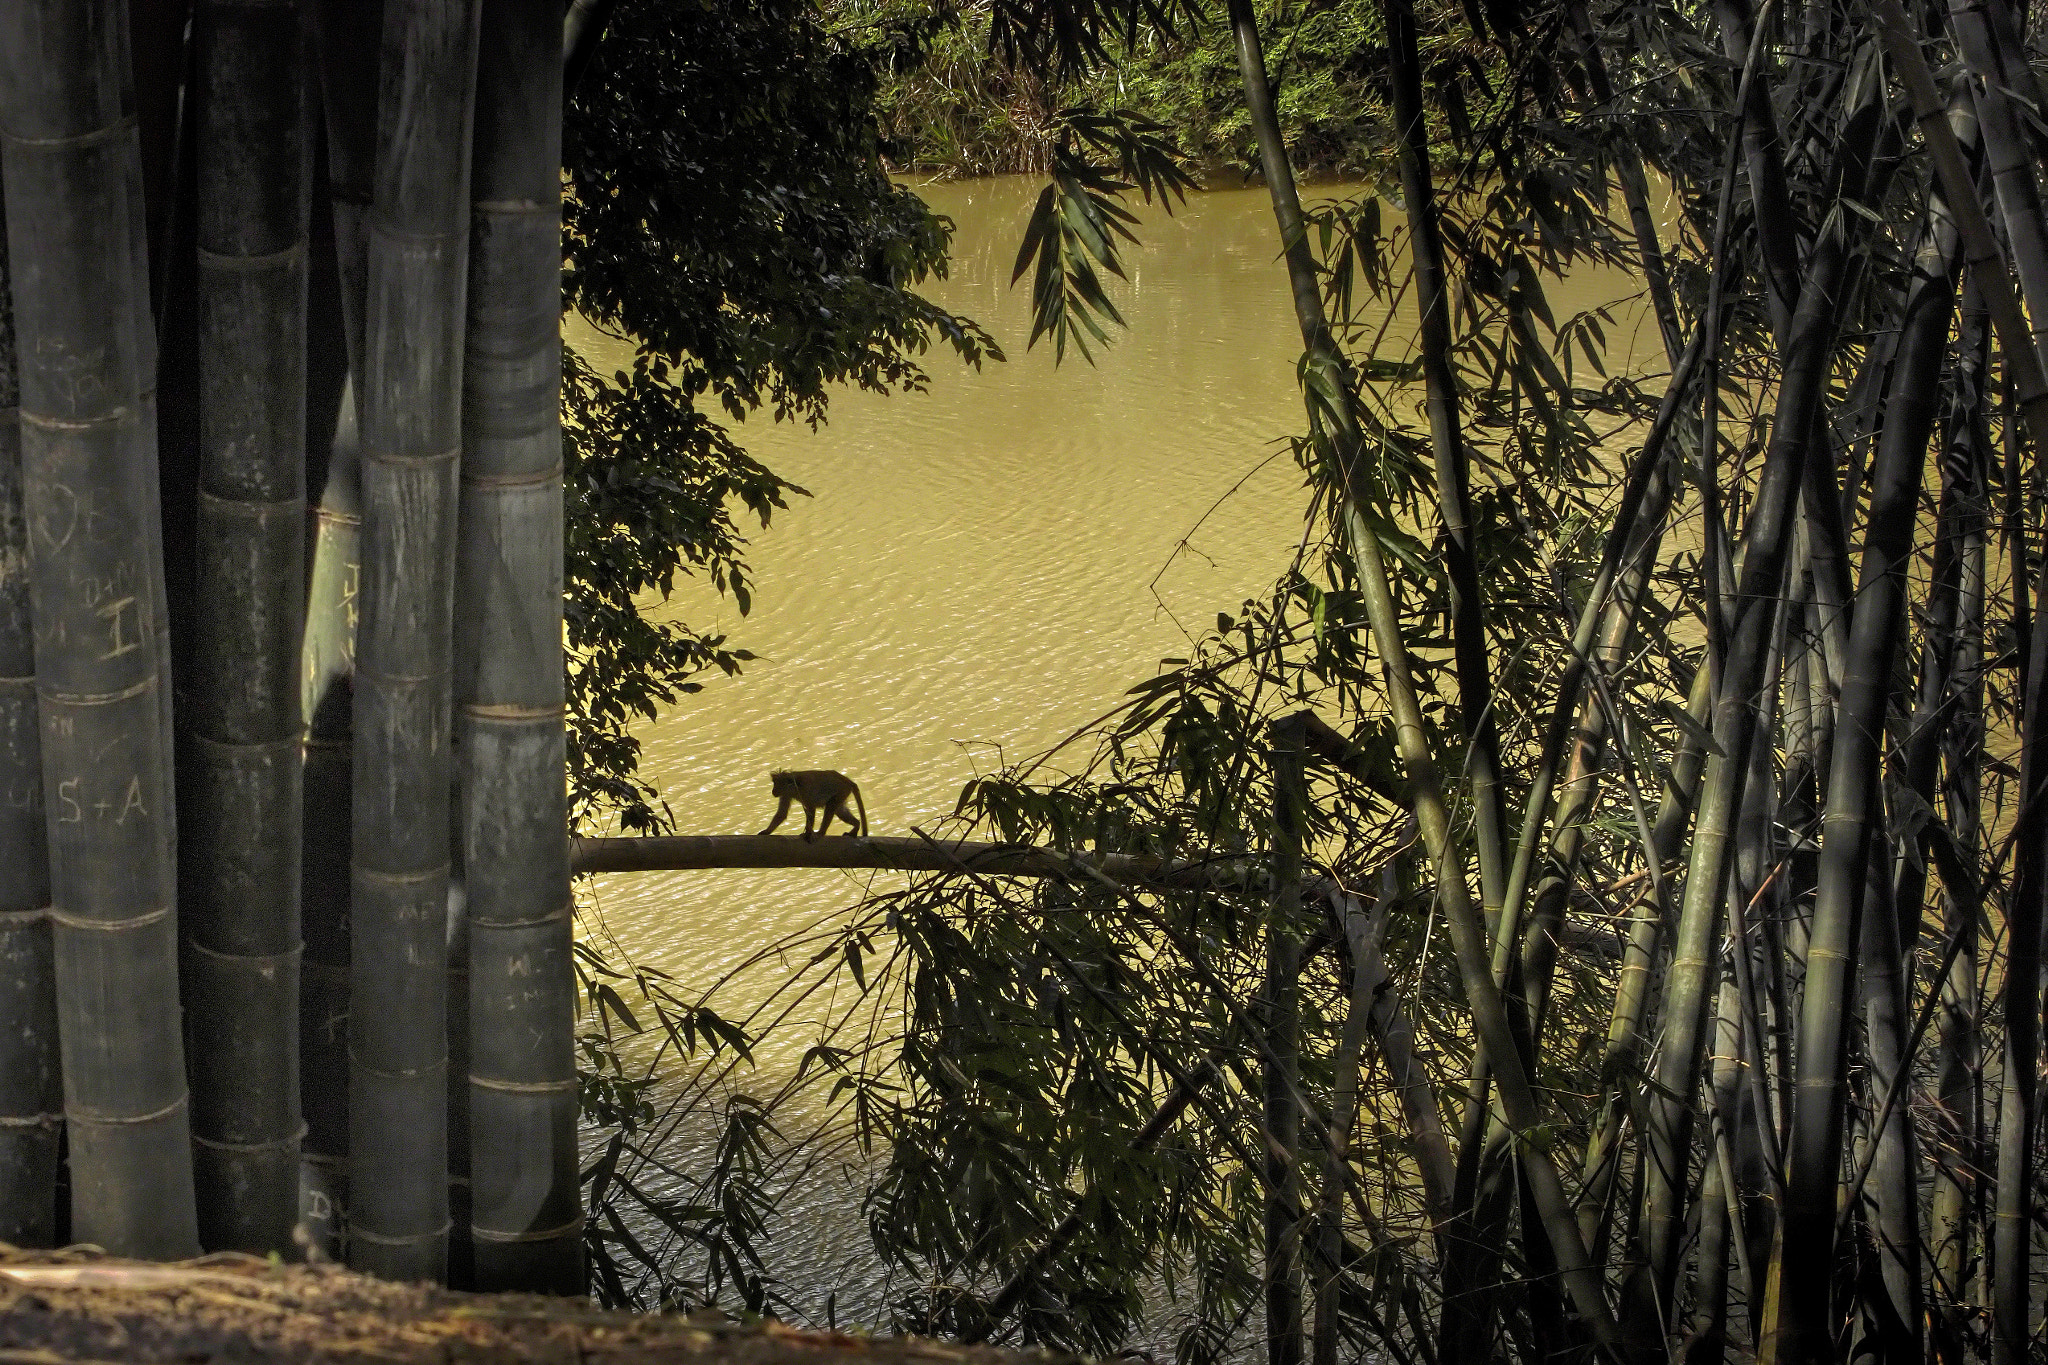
1641	757
949	104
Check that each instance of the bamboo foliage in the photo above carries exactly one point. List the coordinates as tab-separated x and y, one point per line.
81	308
1824	983
1331	404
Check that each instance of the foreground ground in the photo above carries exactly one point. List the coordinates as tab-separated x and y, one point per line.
79	1308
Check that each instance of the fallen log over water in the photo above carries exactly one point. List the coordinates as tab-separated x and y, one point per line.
703	852
694	852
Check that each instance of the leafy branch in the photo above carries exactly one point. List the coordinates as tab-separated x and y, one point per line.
1080	216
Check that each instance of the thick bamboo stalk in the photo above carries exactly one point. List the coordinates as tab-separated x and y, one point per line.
1469	645
1717	1190
347	40
1894	1180
240	778
2026	373
1798	1314
2011	1250
1997	73
582	30
1279	1018
1764	150
1390	1029
89	472
412	433
31	1092
526	1213
1917	767
1689	985
1626	1042
1958	1100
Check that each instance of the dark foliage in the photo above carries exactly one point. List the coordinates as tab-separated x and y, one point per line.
727	211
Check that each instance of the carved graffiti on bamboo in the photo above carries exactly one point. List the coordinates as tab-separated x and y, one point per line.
72	809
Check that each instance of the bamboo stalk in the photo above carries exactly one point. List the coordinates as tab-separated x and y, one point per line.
1717	1193
348	36
1279	1016
1689	985
1742	34
1798	1314
1469	645
412	433
527	1212
72	167
240	777
582	29
1625	1031
2010	1251
1635	191
1918	765
1334	419
1893	1307
1958	1145
1489	1016
1980	242
1998	72
31	1091
1391	1030
1626	1041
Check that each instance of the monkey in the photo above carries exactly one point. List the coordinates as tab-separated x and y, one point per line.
819	790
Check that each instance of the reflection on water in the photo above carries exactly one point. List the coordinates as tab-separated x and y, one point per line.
983	568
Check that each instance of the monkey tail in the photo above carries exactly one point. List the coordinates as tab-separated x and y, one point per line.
862	807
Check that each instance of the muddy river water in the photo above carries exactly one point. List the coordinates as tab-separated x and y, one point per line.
982	569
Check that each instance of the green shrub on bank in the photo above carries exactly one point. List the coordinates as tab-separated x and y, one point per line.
946	105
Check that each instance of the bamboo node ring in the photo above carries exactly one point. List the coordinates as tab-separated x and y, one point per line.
125	124
79	1115
408	1239
571	1228
283	1144
525	1087
70	921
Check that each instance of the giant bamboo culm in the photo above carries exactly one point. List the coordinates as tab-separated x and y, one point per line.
346	39
74	216
239	773
411	422
31	1101
527	1218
